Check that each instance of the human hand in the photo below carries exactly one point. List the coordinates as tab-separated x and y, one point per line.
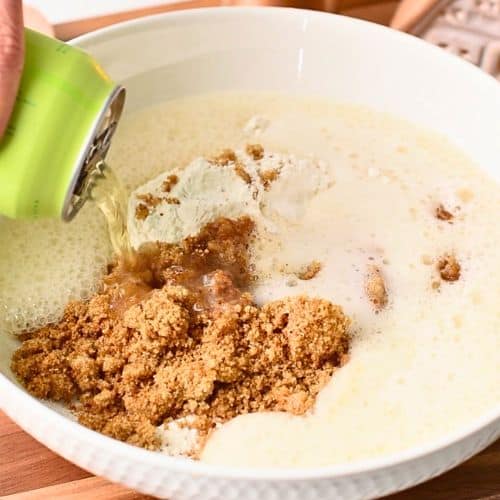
11	56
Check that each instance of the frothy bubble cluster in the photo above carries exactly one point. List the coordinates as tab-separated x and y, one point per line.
45	264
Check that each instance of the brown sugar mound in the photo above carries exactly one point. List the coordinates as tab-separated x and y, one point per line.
176	335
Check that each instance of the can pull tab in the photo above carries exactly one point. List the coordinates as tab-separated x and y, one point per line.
91	163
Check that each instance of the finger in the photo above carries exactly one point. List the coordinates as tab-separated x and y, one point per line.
36	21
11	56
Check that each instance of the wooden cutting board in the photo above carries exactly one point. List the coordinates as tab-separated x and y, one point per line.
29	471
377	11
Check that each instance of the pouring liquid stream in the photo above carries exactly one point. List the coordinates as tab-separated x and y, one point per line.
110	197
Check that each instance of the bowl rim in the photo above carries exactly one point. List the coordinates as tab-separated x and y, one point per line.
68	426
65	425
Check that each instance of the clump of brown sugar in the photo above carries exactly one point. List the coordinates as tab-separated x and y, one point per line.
309	271
442	214
449	267
375	288
172	200
225	157
241	172
256	151
268	176
177	335
141	211
150	201
169	183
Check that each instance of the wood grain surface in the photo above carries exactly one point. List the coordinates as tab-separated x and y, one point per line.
378	11
29	471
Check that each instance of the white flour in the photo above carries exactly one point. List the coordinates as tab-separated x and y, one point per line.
206	191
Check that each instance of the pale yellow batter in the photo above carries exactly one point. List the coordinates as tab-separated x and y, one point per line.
423	367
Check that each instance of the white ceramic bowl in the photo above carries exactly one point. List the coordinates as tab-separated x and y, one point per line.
294	51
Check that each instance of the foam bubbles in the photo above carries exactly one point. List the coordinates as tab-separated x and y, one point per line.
45	264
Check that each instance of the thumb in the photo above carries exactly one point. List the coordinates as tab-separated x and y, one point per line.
11	56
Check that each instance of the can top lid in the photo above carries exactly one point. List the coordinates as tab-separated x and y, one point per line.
93	154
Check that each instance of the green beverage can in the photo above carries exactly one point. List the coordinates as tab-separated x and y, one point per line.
65	115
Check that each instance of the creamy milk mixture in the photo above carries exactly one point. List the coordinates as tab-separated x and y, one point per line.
424	366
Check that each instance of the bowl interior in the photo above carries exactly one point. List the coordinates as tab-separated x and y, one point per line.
308	53
300	52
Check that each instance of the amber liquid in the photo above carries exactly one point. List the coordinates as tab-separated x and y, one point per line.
110	196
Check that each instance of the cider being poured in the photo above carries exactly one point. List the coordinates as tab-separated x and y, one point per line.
42	191
110	197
